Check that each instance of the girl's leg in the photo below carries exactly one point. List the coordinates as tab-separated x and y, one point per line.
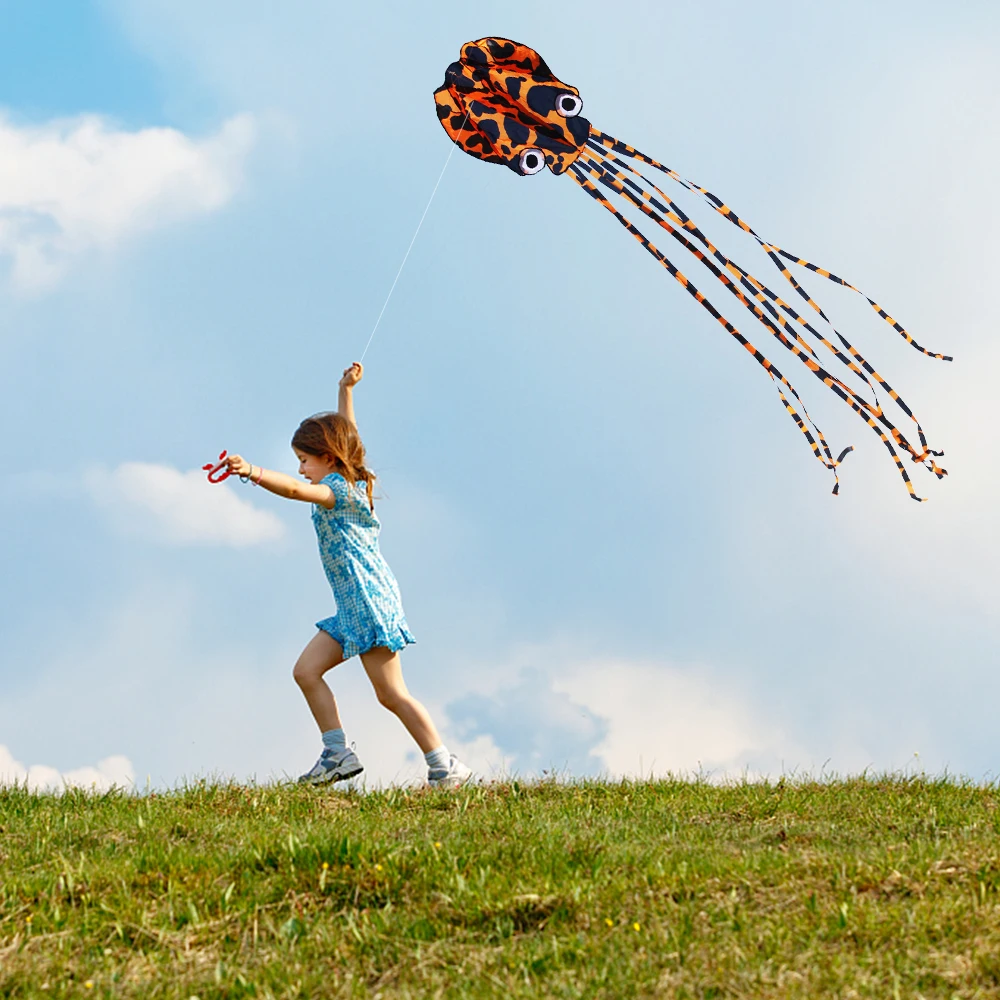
386	674
322	654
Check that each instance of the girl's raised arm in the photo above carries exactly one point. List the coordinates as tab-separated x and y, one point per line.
345	397
282	485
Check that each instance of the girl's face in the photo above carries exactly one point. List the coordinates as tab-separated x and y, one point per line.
313	467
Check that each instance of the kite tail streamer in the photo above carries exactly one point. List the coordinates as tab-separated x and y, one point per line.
577	172
600	140
820	448
608	175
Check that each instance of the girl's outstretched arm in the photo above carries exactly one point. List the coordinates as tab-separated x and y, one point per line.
345	398
282	485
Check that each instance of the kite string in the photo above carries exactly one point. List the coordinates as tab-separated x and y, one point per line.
407	254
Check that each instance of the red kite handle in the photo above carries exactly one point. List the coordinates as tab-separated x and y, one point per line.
215	470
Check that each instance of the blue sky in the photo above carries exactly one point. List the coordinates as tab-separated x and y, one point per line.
616	551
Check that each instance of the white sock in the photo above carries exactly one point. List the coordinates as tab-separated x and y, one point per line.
438	760
334	739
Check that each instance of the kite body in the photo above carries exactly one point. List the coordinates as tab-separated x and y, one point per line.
501	103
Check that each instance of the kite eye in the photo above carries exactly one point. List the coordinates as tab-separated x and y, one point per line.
531	161
568	105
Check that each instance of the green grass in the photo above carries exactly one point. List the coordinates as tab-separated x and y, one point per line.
857	888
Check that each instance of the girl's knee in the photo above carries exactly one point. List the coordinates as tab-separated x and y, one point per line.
321	655
305	674
391	698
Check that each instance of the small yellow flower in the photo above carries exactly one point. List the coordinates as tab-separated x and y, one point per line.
326	864
29	918
635	926
609	921
378	868
89	984
437	843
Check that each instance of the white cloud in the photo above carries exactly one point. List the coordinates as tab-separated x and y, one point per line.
68	187
180	508
663	719
111	772
550	706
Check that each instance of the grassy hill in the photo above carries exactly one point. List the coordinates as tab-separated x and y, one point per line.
861	888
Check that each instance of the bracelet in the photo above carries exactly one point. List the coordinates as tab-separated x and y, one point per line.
260	474
246	478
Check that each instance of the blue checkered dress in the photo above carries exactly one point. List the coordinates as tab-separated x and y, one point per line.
369	608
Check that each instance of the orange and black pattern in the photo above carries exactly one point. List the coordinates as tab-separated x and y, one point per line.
501	103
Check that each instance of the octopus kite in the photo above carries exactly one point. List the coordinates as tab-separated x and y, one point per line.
500	103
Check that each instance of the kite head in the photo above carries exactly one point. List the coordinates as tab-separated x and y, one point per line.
501	103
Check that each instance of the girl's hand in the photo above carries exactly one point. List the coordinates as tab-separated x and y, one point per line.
352	376
238	465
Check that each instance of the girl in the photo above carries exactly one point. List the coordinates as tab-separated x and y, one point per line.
369	621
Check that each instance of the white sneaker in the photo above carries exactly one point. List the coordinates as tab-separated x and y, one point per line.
333	765
456	775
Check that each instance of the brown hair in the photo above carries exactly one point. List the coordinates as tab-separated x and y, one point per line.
329	435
